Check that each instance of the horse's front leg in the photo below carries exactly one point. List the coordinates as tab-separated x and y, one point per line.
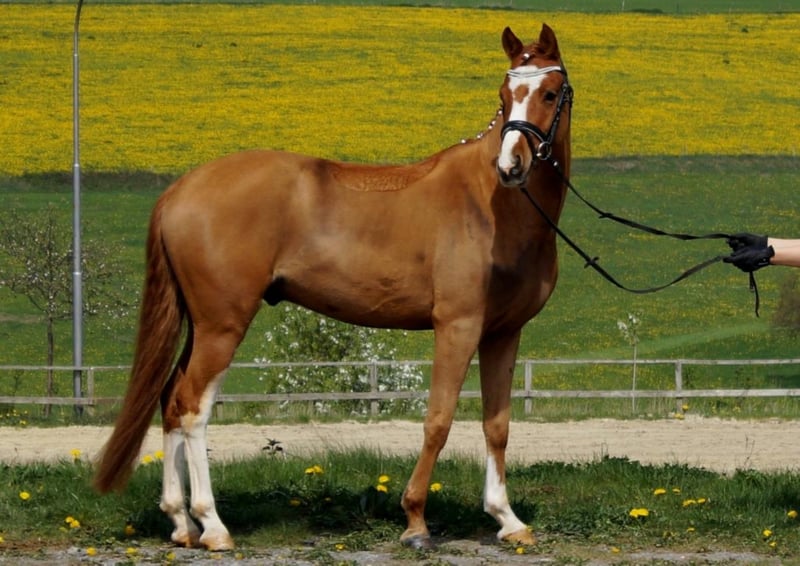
455	344
497	358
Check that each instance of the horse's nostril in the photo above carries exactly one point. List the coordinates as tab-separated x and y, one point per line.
517	168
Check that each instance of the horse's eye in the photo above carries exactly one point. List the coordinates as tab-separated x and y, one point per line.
550	96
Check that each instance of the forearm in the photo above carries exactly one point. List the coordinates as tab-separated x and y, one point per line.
787	252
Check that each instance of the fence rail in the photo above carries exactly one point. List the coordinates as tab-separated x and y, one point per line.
374	395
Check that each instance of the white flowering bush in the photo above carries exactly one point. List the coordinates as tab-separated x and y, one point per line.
630	331
316	341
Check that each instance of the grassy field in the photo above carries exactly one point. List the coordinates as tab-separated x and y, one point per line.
578	510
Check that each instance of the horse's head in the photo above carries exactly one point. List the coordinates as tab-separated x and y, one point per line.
535	94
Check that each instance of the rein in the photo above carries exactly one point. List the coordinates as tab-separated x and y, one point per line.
544	152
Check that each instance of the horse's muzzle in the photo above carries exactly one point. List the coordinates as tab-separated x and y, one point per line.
515	176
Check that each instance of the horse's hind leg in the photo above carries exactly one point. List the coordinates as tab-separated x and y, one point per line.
497	358
173	499
186	414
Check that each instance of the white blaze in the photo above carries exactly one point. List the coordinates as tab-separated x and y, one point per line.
530	79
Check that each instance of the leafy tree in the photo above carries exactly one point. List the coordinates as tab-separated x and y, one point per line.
36	262
304	336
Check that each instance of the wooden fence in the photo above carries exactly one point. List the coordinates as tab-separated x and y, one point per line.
374	395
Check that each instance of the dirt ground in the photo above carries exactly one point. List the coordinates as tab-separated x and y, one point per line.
715	444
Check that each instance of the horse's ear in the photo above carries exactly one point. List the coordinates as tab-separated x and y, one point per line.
511	44
547	43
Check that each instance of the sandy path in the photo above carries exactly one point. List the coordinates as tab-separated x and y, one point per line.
719	445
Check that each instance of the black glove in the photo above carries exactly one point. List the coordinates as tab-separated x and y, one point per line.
750	252
746	240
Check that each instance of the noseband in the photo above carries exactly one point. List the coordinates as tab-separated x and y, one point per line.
530	131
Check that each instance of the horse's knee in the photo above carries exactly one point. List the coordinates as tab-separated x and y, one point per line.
436	434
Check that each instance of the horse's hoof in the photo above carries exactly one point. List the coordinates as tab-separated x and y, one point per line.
217	541
523	537
188	539
418	542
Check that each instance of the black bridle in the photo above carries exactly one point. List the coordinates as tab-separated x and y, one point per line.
544	152
529	131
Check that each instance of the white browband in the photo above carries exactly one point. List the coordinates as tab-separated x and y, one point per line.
527	71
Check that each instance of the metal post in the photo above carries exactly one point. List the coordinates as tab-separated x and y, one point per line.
77	275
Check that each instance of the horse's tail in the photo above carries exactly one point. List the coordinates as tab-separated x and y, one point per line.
161	317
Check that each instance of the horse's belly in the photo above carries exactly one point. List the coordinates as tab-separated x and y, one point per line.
364	297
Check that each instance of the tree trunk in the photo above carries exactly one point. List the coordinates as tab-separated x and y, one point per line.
50	360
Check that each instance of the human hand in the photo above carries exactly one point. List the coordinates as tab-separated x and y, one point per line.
752	257
746	240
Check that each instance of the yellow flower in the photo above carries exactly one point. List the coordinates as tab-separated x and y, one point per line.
435	487
130	551
91	551
792	514
75	524
639	512
384	479
685	407
689	502
615	549
690	529
147	459
659	491
158	454
294	502
676	490
24	495
701	500
382	488
339	546
520	550
314	470
2	540
773	544
766	533
69	519
129	530
170	556
75	453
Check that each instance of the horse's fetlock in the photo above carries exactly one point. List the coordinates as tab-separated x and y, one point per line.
201	509
171	506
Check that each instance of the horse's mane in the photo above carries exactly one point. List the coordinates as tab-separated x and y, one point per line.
366	178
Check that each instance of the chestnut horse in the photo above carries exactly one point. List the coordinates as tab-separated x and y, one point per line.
448	244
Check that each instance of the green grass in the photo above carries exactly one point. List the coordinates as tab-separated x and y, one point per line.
570	506
708	316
